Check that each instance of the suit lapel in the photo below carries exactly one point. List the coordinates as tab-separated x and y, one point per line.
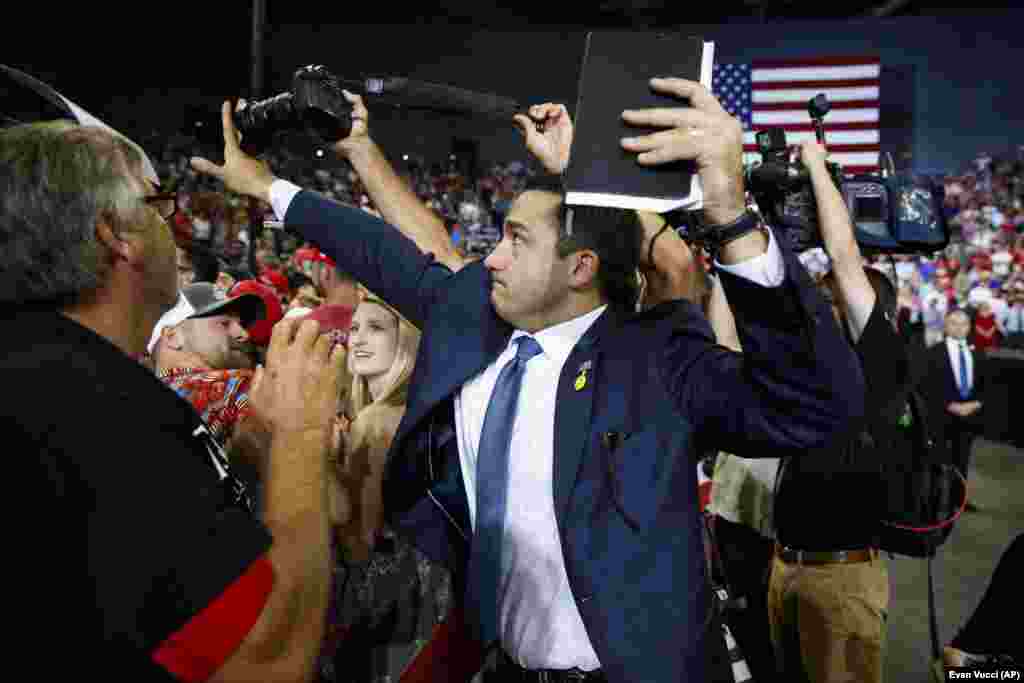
574	408
952	383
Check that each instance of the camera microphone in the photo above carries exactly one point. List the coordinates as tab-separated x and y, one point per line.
442	98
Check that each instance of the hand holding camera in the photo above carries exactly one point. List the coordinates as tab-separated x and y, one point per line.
240	173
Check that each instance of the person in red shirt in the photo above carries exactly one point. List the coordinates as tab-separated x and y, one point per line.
986	333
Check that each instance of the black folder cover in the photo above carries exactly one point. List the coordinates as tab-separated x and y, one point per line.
617	67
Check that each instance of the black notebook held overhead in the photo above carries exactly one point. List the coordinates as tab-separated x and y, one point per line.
617	68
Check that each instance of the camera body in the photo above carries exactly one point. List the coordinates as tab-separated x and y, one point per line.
891	213
315	104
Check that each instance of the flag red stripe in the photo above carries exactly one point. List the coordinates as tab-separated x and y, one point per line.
853	170
813	61
802	106
831	148
856	170
803	85
856	125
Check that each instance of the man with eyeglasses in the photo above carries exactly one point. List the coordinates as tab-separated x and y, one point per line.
140	544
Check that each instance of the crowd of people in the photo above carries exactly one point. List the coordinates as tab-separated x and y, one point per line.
370	441
982	270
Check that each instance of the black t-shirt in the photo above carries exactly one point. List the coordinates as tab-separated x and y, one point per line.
121	526
832	499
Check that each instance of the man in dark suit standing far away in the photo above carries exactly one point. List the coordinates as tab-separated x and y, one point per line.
547	453
952	380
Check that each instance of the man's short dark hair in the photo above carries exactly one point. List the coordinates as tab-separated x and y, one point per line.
615	235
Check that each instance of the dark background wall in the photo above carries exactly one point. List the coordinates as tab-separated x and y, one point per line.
950	88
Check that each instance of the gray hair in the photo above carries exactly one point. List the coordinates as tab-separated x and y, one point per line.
56	180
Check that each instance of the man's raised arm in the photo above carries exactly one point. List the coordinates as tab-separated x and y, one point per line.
374	252
392	196
798	384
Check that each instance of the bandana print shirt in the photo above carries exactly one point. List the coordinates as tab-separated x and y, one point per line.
221	397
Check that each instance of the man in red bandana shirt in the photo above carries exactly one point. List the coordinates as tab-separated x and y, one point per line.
199	351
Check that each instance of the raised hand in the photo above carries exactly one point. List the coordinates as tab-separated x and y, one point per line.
360	134
240	173
704	133
552	145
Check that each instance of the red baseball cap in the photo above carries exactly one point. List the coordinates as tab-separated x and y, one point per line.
304	254
335	320
275	279
259	331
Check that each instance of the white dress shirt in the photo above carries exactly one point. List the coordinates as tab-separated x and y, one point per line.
539	623
953	346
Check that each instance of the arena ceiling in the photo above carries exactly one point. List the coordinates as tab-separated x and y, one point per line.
505	15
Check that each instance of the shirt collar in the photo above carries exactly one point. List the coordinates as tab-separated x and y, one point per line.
956	343
558	341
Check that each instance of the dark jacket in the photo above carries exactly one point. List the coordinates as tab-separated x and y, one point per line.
629	521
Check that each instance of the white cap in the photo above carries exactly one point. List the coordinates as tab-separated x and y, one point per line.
181	311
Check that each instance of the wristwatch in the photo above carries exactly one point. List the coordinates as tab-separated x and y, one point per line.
714	237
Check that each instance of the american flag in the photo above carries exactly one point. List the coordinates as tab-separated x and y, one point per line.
767	94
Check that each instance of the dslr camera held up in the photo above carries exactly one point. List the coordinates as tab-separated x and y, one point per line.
891	213
315	104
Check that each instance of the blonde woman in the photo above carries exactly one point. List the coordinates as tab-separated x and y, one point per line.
390	597
382	352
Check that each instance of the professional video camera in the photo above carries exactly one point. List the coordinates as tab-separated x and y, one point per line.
891	213
315	104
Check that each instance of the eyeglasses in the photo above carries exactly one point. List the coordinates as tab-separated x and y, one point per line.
165	203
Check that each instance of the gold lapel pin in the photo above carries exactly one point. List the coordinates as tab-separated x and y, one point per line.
581	379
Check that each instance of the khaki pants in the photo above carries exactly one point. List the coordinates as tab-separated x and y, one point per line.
828	620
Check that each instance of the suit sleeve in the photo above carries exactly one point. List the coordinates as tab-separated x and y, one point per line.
375	253
797	385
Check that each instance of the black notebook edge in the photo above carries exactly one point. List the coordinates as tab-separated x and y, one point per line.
693	200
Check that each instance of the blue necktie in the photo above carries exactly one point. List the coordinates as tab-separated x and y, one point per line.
492	494
965	389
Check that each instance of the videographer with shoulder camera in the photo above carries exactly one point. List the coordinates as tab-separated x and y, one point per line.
829	589
139	542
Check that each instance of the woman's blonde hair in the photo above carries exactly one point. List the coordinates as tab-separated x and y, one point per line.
397	385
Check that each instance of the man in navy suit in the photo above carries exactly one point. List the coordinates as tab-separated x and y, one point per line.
586	477
952	379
